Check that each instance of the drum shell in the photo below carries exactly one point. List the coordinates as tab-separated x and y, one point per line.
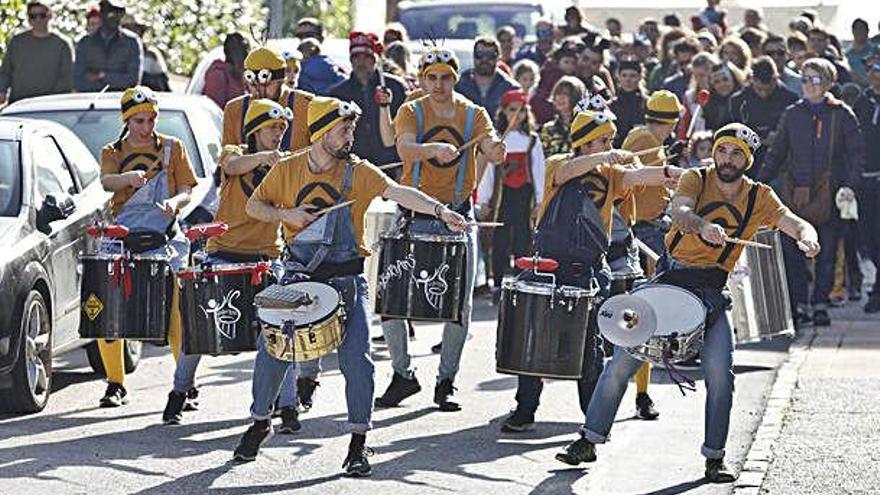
200	333
142	316
308	343
403	259
541	337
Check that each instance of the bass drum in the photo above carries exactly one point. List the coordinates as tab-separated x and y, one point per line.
422	277
543	329
217	307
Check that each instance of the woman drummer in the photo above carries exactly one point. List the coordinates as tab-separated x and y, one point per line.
151	179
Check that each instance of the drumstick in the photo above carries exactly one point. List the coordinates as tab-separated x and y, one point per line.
486	225
743	242
334	207
512	121
390	165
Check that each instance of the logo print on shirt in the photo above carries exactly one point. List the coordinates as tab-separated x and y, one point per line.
250	181
443	134
149	163
597	188
320	194
720	213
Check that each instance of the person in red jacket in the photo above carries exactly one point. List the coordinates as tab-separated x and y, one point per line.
224	79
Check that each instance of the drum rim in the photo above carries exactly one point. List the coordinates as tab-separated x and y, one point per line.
221	268
567	290
416	236
643	287
615	276
340	307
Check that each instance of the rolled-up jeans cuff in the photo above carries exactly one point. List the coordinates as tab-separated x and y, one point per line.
821	306
257	417
592	436
712	453
360	428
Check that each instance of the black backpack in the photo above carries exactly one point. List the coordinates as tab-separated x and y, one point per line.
571	230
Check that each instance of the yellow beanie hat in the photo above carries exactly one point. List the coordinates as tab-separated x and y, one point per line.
741	136
589	125
138	99
324	113
663	107
438	59
262	113
264	65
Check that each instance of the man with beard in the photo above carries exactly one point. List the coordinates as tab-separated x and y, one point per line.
485	83
711	206
429	133
290	193
379	95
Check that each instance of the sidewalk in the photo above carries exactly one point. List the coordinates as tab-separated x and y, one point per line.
831	426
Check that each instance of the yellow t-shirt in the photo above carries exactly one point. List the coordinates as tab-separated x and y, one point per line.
150	159
439	180
604	184
232	118
246	235
711	206
649	201
290	184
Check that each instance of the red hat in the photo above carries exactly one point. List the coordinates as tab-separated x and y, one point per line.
514	96
359	42
94	11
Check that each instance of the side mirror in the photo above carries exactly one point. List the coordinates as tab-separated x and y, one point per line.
55	207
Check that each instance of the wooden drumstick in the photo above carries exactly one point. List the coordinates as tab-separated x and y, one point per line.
743	242
390	165
486	225
334	207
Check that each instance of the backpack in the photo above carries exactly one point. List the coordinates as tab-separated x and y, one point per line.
571	228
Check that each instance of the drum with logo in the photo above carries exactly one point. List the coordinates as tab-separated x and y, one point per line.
421	276
680	319
303	320
217	307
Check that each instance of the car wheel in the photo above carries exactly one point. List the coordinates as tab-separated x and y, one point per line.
32	373
132	354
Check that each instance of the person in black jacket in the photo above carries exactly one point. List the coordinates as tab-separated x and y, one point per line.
629	103
867	109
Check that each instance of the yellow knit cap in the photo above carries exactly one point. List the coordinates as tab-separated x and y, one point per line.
589	125
262	113
740	136
664	107
264	65
438	59
138	99
325	113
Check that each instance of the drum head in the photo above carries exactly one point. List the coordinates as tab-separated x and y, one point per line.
324	302
677	309
627	320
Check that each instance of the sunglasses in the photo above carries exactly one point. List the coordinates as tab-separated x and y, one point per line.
544	33
814	80
485	54
38	15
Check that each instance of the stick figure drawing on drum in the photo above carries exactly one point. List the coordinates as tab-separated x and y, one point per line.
225	315
435	286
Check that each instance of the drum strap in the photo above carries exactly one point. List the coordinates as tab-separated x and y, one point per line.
750	209
288	134
680	235
245	104
420	134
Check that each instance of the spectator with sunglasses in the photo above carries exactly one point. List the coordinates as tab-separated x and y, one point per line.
111	57
775	48
539	51
38	61
485	82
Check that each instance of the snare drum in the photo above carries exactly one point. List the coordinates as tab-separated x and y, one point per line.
623	280
125	297
422	277
681	318
543	329
316	311
217	307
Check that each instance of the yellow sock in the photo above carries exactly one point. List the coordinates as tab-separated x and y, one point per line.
175	326
114	360
643	378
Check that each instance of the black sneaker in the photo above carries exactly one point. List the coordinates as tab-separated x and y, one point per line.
356	464
115	396
400	388
873	305
518	422
645	407
437	348
577	452
379	339
801	319
442	392
305	391
258	434
718	472
821	318
192	400
289	421
173	408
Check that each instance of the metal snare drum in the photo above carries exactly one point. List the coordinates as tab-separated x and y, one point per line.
623	280
314	309
217	307
543	329
680	317
422	277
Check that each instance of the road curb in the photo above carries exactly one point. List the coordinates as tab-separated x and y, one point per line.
760	454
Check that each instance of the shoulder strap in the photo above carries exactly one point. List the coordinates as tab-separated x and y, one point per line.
750	210
166	160
347	179
680	235
245	104
288	134
420	134
463	163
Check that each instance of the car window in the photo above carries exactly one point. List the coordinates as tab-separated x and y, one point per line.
50	170
10	179
468	22
79	158
97	128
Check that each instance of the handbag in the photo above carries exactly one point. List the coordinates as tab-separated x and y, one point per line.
818	209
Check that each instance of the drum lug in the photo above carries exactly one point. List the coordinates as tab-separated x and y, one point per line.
513	298
154	269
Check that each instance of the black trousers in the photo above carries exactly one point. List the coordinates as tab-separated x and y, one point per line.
515	237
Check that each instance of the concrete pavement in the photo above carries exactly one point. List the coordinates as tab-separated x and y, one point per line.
74	447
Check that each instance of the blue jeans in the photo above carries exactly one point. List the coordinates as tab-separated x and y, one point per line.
717	365
354	362
454	335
